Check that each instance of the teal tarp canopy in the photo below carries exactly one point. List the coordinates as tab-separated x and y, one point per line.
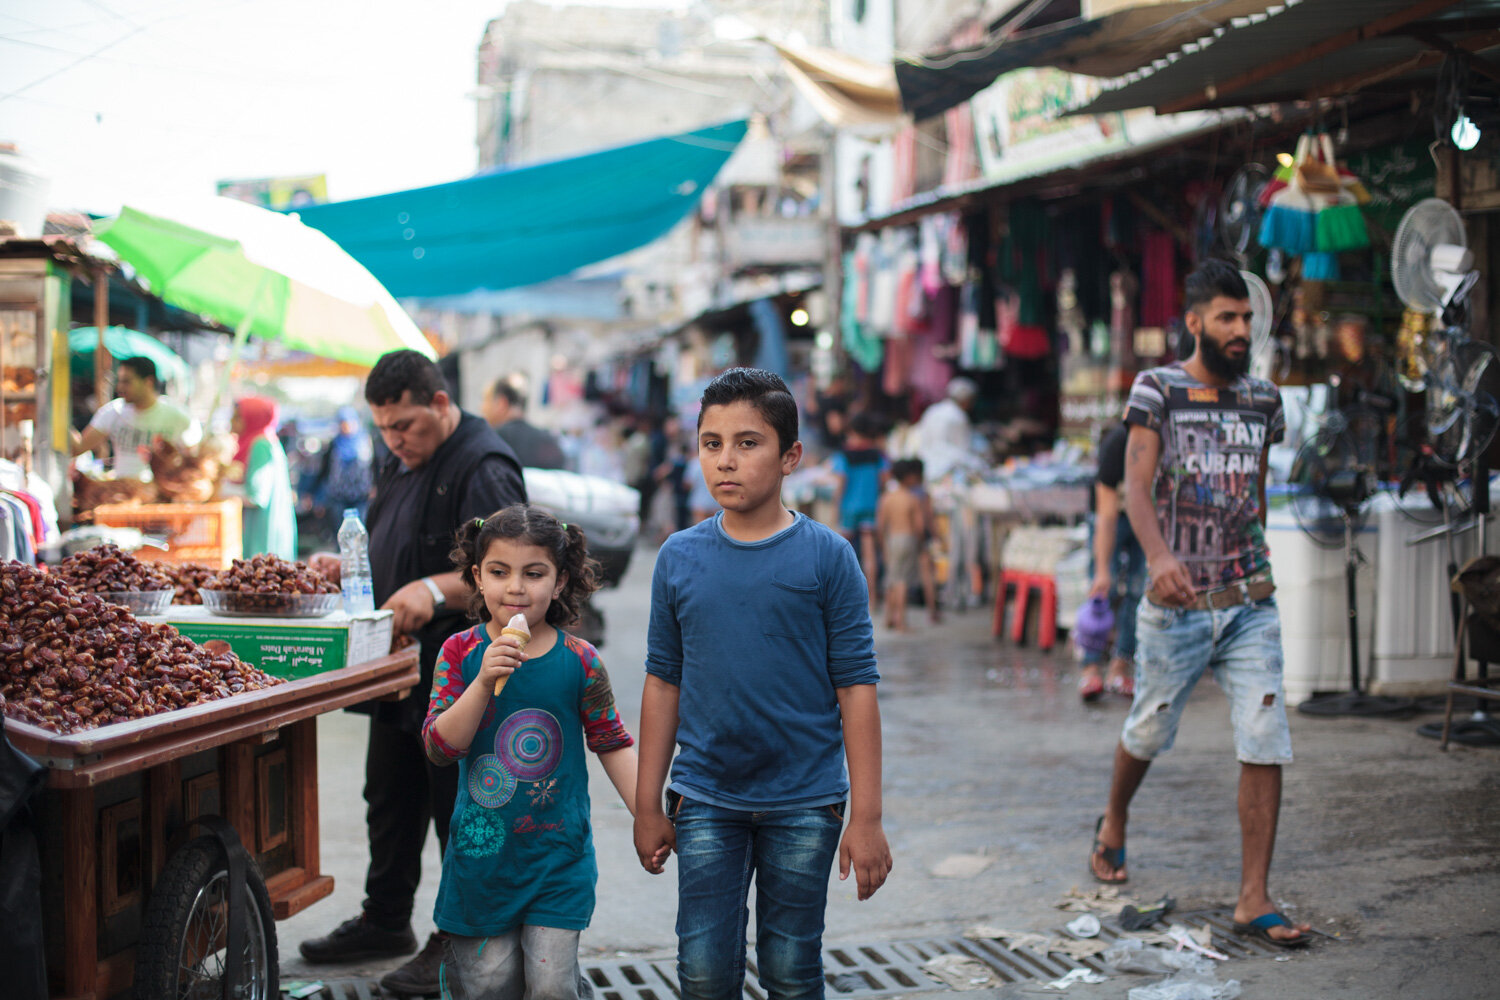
519	226
123	342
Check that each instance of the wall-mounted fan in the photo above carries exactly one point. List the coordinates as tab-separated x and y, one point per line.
1240	210
1333	479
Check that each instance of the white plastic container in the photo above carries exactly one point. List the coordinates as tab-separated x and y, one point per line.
1310	593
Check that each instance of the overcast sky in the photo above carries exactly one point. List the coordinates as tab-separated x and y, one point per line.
143	99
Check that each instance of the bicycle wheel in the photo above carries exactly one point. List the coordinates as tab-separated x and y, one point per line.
182	952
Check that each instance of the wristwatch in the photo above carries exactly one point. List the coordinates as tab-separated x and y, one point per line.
438	600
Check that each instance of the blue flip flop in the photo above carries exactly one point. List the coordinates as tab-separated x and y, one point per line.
1113	856
1260	928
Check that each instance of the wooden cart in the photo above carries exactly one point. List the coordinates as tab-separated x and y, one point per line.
121	800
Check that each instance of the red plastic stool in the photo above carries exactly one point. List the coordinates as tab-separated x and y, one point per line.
1008	578
1025	583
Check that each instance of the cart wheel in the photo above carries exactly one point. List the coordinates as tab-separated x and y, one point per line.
181	953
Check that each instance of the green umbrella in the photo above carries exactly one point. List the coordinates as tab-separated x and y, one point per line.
123	342
263	273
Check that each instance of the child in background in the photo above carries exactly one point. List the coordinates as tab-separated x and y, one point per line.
901	523
861	467
519	872
760	666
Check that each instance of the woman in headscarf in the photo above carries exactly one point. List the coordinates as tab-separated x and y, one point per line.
270	519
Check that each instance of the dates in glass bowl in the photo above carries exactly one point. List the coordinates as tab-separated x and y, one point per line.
108	569
71	661
269	586
187	578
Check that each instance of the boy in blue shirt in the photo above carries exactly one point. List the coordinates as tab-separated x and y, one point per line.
760	666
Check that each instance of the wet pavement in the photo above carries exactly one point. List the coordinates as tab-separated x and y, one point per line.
994	773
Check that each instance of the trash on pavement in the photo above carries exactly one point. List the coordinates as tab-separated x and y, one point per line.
1135	955
1076	976
1108	900
1132	919
1086	926
1196	940
1188	985
1042	944
959	972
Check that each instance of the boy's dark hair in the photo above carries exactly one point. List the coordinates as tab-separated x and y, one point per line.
761	389
565	543
902	468
401	371
1210	279
142	368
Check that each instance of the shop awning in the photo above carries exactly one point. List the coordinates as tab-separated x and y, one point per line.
123	342
1304	49
1104	46
519	226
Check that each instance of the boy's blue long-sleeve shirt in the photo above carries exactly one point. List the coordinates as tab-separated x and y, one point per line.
758	637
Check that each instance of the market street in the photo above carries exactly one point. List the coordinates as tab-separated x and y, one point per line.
993	765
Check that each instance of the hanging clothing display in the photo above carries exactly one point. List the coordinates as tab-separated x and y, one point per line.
865	349
1159	285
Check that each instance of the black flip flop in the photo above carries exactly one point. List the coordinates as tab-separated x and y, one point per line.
1260	928
1113	856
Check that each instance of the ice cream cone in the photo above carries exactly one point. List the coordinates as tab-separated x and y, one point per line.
518	628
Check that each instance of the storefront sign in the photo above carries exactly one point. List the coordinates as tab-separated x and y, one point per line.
278	193
1020	130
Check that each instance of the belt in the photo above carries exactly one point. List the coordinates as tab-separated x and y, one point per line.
1246	591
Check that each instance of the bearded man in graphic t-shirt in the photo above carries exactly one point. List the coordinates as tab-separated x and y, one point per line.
1195	492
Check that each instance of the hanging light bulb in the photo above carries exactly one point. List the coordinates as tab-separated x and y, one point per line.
1465	133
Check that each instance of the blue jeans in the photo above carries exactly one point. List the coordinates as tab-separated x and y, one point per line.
1127	570
790	853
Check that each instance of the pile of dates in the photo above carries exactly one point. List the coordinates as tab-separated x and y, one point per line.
108	569
265	582
70	661
186	579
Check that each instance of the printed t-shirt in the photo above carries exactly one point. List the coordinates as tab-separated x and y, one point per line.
130	431
1207	480
520	845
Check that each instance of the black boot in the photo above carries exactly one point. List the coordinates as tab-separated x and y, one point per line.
357	938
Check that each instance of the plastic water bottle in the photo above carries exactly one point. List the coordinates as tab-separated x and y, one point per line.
354	564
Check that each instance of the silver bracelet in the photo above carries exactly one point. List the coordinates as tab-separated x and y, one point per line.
438	600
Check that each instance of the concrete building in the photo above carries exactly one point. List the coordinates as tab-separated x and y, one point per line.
559	81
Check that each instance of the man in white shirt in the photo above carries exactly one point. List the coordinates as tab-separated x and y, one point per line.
943	434
136	418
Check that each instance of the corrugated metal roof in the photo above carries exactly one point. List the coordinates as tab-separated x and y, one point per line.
1213	71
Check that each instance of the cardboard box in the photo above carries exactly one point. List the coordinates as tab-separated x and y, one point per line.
289	647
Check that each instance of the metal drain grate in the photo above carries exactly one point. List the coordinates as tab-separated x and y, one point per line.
872	969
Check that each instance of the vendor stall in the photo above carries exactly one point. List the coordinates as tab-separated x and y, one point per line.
181	811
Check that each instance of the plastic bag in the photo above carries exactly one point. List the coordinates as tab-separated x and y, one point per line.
1133	955
1187	985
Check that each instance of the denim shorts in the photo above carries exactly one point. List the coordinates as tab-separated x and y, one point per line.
1241	644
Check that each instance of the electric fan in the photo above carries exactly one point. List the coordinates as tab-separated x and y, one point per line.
1463	402
1240	210
1332	480
1262	319
1430	259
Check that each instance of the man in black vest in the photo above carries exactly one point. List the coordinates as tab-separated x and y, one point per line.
445	467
